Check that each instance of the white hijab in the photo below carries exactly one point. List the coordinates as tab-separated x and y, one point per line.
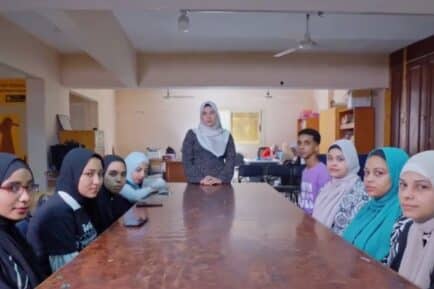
330	196
418	261
213	139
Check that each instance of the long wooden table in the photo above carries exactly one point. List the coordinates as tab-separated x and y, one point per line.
240	236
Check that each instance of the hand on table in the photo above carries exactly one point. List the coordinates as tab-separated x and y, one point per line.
210	181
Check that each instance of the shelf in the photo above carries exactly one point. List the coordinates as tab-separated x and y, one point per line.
347	126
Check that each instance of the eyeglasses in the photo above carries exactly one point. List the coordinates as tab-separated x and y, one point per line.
18	188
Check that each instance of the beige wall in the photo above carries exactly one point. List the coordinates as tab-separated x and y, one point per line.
106	113
83	113
46	96
305	71
146	118
24	52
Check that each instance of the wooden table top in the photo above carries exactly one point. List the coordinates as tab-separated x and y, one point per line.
239	236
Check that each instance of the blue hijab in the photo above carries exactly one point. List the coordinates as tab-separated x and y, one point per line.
371	228
134	160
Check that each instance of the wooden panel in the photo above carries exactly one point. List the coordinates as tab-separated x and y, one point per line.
396	58
84	137
387	139
240	236
430	101
364	129
420	49
424	117
396	76
328	127
414	90
311	122
404	110
175	172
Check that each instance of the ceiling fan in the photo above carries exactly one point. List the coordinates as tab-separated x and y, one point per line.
305	44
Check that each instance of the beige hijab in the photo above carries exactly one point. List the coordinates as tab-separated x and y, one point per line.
330	196
418	261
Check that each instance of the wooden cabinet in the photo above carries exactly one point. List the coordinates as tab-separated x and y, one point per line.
175	172
91	139
412	87
329	127
311	122
358	125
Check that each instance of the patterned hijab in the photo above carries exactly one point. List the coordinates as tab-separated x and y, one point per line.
330	196
371	228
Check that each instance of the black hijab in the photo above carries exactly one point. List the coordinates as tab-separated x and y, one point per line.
110	206
11	241
70	172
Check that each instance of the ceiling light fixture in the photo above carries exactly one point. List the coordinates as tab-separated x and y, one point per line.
183	21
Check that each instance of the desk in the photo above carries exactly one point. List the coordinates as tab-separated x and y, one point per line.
245	236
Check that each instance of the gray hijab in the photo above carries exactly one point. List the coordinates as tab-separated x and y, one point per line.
213	139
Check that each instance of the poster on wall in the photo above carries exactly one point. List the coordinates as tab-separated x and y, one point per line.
12	91
246	127
10	134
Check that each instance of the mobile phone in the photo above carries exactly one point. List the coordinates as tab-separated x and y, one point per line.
152	201
130	219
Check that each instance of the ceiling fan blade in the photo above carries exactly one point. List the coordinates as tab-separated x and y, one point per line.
285	52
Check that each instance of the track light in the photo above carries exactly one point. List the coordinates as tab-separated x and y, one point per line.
183	22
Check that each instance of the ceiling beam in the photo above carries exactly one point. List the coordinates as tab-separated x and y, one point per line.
100	35
337	6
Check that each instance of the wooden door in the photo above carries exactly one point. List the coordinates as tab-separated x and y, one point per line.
430	103
414	91
396	75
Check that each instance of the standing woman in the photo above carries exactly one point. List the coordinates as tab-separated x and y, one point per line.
18	264
111	205
371	228
343	196
208	152
139	185
412	242
62	226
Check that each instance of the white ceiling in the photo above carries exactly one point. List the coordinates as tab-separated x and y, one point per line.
43	29
156	31
348	6
9	72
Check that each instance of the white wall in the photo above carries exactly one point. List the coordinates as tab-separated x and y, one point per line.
145	118
46	98
106	113
322	99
